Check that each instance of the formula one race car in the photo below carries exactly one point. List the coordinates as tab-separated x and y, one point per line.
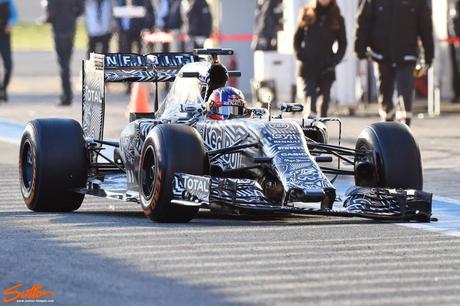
204	147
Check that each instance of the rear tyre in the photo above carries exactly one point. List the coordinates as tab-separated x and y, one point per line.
394	161
52	164
169	149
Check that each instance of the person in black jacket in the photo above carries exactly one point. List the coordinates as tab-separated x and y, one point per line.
388	31
269	17
169	20
320	26
131	28
198	22
63	14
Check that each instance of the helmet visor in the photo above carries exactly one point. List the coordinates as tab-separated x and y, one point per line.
230	111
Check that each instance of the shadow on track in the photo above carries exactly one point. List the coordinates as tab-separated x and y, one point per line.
78	277
110	218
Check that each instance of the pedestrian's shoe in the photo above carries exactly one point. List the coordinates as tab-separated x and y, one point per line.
65	100
64	103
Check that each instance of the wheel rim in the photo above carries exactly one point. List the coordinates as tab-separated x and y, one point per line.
27	166
148	173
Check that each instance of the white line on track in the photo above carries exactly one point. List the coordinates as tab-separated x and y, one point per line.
446	210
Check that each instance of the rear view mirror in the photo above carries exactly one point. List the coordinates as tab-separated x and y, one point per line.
291	108
191	108
189	74
258	112
234	73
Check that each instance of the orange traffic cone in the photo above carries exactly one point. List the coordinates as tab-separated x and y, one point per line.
139	101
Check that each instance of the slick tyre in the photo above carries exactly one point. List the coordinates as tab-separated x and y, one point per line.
394	157
169	149
52	164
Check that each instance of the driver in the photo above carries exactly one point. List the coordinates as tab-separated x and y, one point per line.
226	103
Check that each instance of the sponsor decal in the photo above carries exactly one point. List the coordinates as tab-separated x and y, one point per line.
156	60
93	95
124	60
20	294
197	186
169	60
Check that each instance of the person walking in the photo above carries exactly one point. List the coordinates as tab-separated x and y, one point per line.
269	20
320	26
99	25
198	22
453	31
8	18
170	21
389	32
131	28
63	14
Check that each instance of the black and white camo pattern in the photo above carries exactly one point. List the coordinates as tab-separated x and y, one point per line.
93	100
132	139
218	134
280	139
283	140
374	201
240	191
133	75
222	190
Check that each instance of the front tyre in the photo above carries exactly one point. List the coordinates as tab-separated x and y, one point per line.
169	149
52	164
394	157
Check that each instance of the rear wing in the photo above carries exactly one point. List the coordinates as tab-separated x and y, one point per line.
122	67
155	67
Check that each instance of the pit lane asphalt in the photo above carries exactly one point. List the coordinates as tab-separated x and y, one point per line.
108	253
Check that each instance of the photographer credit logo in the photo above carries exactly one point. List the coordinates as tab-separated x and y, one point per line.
20	294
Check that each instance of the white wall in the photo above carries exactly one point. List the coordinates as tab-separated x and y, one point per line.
442	62
237	17
29	10
346	86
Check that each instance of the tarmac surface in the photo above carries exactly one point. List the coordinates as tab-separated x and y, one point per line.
108	253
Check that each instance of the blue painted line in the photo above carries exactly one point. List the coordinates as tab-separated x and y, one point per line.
11	131
446	210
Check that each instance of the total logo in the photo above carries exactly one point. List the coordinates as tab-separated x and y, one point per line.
196	186
93	95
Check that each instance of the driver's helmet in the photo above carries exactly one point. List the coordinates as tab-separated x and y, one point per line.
226	103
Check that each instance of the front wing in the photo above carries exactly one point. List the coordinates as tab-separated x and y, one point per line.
243	196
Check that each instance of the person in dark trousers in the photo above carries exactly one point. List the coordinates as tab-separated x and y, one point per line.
8	18
63	14
269	17
198	23
99	24
388	31
320	27
170	21
131	28
454	49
